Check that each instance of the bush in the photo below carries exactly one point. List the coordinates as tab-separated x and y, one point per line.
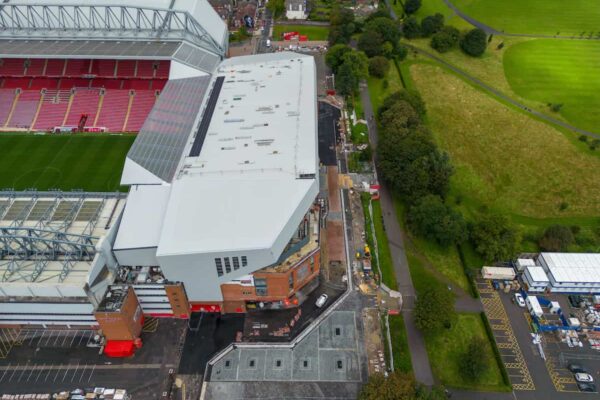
432	24
474	362
401	52
556	238
494	238
378	66
474	42
446	39
412	6
410	96
371	43
411	28
434	310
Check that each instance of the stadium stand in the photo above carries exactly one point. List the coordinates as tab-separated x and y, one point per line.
7	96
25	109
140	108
115	94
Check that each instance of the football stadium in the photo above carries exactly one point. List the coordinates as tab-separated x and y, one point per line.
211	209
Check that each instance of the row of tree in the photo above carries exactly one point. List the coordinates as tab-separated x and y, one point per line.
399	386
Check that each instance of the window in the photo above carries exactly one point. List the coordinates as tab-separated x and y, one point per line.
306	364
278	363
244	261
236	263
291	280
219	266
252	363
338	331
227	265
227	364
340	364
261	286
312	264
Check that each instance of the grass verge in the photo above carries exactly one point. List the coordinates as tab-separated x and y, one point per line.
388	276
400	348
313	32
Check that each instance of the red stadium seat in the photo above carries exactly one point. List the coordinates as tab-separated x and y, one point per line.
25	109
145	69
12	67
143	101
55	67
104	68
106	83
163	69
77	67
11	83
44	83
158	84
54	107
36	67
7	97
85	101
125	68
138	84
114	110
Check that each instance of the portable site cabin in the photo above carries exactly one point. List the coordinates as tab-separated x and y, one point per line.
499	273
534	307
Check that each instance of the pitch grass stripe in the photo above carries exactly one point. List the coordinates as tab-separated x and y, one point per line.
559	72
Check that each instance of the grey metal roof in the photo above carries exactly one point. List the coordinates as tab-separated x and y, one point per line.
87	48
197	58
161	141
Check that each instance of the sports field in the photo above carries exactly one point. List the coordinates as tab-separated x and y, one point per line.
561	72
549	17
504	159
313	32
88	162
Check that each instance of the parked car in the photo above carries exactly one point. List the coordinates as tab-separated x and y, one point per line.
576	369
322	300
584	377
519	300
586	387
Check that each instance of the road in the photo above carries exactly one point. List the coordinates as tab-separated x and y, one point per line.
418	353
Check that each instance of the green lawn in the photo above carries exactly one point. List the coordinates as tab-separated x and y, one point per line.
549	17
504	159
431	7
313	32
399	340
380	88
359	134
88	162
385	257
446	348
559	71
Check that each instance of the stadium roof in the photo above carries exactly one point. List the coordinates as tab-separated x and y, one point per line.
193	21
251	171
51	237
573	267
160	143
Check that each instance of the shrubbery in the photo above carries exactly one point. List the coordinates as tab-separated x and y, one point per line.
474	42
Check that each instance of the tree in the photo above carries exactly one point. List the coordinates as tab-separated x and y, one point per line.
556	238
474	42
412	6
387	28
335	54
371	43
494	237
473	361
434	220
399	117
398	386
342	25
345	80
358	62
380	13
411	28
277	8
378	66
432	24
412	97
445	39
401	52
434	309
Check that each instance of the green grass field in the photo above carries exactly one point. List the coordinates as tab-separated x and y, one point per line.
313	32
504	159
400	347
550	17
446	348
88	162
559	71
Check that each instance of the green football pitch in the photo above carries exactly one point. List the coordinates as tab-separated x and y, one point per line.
550	17
560	72
66	162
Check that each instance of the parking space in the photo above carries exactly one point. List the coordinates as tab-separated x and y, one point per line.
510	352
8	338
46	373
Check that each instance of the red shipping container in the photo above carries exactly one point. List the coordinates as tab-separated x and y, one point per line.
303	38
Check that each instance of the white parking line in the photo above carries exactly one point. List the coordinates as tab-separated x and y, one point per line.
57	372
14	370
80	339
74	336
67	370
76	368
82	372
32	369
48	374
32	337
67	334
22	372
40	373
91	373
5	371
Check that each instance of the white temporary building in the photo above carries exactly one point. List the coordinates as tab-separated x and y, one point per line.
572	272
536	279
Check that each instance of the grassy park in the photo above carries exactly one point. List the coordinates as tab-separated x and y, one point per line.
313	32
549	17
445	351
89	162
560	72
